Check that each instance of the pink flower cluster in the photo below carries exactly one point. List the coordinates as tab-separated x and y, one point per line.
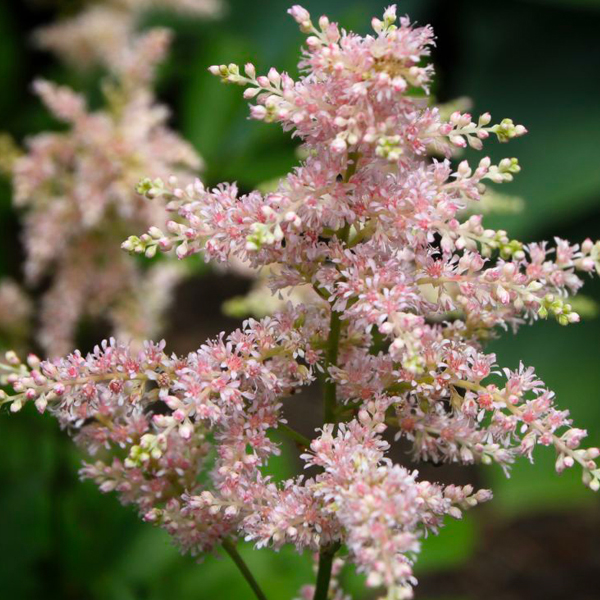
103	32
77	189
408	291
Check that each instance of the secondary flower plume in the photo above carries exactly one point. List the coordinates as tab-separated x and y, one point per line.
102	33
77	189
406	292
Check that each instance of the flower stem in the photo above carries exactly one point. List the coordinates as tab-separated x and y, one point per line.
330	416
329	399
333	341
294	435
324	574
244	570
331	356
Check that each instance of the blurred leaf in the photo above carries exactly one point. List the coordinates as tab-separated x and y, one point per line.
571	4
446	597
453	546
555	97
6	226
148	556
9	56
566	359
281	467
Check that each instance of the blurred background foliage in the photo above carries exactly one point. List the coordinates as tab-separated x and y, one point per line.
536	61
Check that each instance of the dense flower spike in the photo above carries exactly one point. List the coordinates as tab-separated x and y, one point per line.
405	290
158	409
77	189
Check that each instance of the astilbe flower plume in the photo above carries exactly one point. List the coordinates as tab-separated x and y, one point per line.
77	190
101	33
408	294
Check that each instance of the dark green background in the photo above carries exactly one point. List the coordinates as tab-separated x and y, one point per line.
537	62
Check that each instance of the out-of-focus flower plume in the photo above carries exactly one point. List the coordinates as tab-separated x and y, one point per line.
102	33
76	187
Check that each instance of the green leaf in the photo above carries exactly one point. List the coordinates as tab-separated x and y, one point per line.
565	358
552	91
453	547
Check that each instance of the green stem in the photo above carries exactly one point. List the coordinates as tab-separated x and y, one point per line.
331	356
354	157
335	325
294	435
244	570
324	574
329	399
